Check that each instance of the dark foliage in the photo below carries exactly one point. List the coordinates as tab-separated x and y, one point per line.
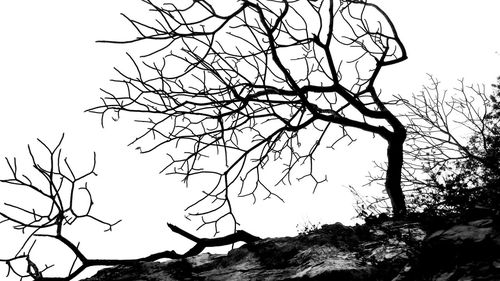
475	181
467	182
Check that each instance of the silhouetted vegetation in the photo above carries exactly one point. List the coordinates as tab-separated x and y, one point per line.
236	108
456	138
258	85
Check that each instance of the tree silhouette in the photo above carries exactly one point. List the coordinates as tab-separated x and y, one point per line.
231	89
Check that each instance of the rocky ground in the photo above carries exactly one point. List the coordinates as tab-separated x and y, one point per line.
381	249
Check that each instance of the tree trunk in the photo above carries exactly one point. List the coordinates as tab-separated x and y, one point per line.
393	174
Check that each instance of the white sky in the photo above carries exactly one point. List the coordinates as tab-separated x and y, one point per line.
51	70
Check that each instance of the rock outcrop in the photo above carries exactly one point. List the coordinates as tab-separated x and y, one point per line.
464	252
390	250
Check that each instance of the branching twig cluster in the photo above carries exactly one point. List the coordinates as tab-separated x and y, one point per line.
229	92
59	187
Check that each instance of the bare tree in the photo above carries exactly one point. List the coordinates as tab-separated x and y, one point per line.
57	190
230	89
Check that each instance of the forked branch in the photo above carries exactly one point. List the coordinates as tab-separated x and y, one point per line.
59	187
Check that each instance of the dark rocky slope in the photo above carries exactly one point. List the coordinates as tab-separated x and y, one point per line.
381	250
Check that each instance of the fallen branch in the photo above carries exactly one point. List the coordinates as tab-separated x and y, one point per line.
201	244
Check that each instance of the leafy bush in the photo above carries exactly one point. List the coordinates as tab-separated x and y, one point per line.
452	153
469	180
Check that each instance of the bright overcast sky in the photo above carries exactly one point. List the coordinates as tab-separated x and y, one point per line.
51	70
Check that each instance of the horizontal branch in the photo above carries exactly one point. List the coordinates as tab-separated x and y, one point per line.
201	244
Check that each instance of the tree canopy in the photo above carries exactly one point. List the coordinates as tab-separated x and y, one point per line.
232	89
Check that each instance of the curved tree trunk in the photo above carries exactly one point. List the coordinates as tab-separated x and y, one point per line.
393	173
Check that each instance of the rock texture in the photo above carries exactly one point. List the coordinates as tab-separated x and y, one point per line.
465	252
389	250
